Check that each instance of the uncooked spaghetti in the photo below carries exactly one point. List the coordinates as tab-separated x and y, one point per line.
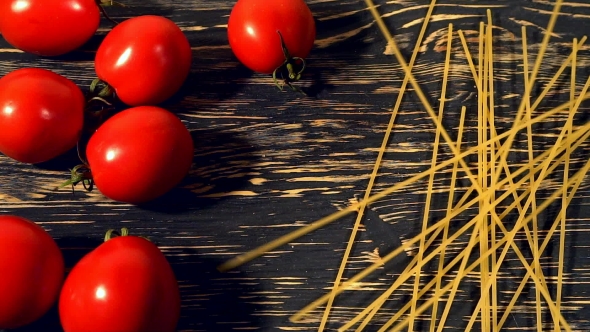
493	181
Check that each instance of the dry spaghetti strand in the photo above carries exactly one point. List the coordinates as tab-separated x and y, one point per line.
376	167
546	89
405	276
548	86
542	160
446	69
549	235
289	237
430	111
544	245
428	202
519	222
445	236
535	244
372	309
517	251
483	222
460	275
566	169
556	194
490	119
422	98
547	35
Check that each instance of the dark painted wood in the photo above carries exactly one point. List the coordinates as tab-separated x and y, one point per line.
269	162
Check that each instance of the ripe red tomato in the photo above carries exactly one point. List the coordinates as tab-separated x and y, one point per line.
125	284
146	59
252	32
41	115
32	272
139	154
48	27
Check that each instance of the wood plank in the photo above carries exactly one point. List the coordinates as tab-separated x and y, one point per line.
267	163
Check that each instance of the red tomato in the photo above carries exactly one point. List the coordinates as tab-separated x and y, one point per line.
41	115
32	272
125	284
48	27
252	32
146	59
139	154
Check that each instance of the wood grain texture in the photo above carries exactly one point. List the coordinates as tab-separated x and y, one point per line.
267	162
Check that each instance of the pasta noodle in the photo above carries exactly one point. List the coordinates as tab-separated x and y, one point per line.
422	246
527	93
574	180
493	181
563	214
579	136
433	318
482	174
535	242
382	150
248	256
534	187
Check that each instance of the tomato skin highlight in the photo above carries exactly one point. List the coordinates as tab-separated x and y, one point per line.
146	59
252	32
48	27
140	154
41	115
32	268
125	284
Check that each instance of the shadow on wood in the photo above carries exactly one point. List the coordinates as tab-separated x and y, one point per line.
223	163
212	301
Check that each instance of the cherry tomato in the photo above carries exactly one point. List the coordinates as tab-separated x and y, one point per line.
146	59
139	154
41	115
253	32
125	284
32	272
48	27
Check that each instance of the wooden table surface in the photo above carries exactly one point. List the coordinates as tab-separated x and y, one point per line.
268	162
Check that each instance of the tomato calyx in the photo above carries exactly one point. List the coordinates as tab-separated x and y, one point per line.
99	105
112	233
290	70
100	88
108	3
80	173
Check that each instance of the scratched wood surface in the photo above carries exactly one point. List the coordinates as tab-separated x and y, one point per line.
267	163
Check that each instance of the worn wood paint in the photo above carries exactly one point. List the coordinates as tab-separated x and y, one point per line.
269	162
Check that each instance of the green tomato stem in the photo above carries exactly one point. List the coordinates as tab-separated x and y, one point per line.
111	233
288	66
108	3
106	91
80	173
99	105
